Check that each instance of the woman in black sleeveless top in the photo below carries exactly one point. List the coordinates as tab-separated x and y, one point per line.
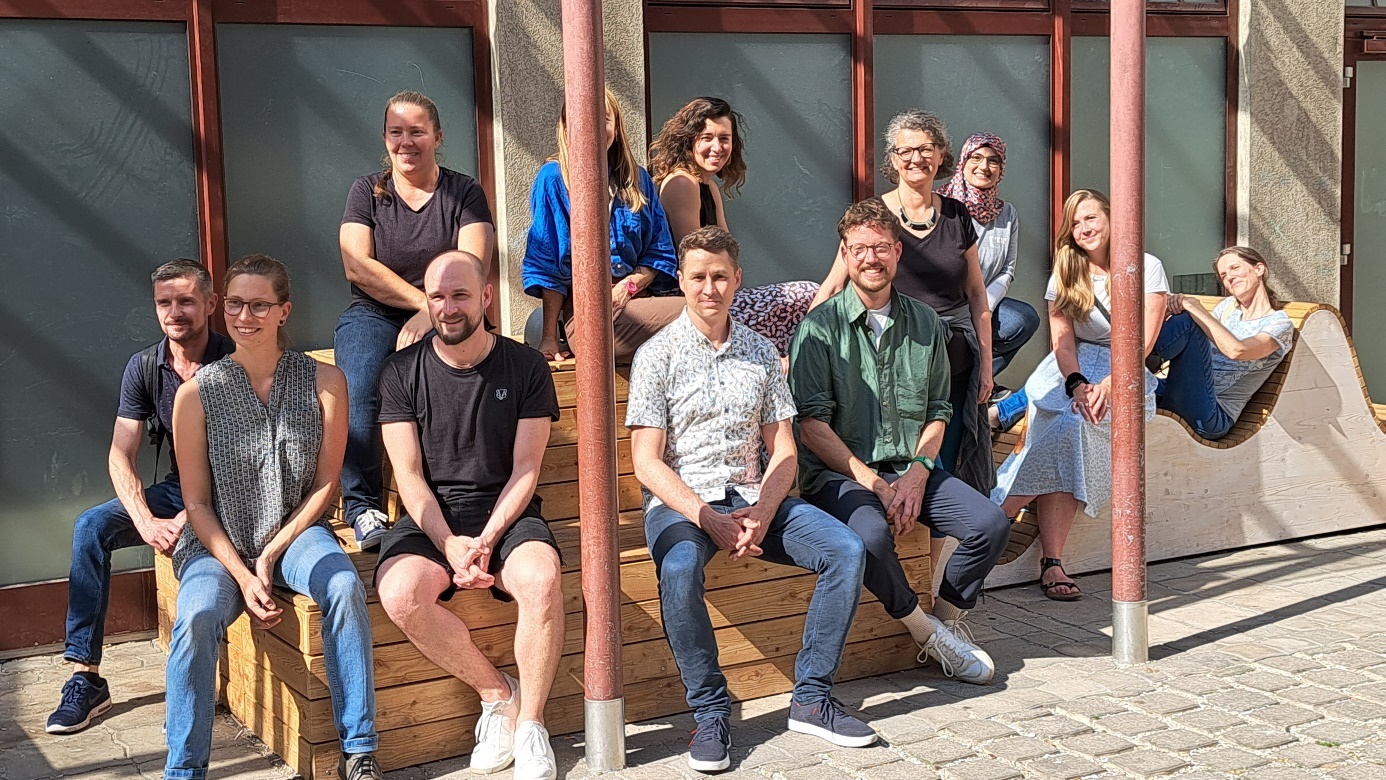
696	149
939	265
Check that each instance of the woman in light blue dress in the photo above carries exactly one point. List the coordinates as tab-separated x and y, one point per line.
1067	458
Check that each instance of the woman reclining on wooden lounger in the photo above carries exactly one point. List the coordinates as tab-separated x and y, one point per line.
1219	359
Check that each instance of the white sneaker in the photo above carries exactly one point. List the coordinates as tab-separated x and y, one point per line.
533	756
958	657
495	732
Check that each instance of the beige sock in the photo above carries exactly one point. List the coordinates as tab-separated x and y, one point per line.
947	612
919	625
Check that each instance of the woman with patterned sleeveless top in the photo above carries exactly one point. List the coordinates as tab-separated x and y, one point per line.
699	148
260	436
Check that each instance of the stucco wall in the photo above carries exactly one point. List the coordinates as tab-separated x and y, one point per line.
1290	141
527	63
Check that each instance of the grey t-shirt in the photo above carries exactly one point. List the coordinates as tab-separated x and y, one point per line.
1235	381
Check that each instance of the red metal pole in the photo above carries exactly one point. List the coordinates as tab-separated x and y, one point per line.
1130	640
584	98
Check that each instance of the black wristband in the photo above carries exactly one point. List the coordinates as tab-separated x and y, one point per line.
1073	381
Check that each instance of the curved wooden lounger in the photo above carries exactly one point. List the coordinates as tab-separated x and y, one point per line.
1307	456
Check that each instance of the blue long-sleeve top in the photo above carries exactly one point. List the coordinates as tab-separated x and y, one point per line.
637	238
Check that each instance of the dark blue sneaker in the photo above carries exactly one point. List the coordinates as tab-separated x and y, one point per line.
370	526
711	742
827	719
85	696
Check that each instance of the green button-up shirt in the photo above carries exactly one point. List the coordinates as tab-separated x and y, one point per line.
876	399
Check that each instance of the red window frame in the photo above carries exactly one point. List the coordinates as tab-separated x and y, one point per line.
201	18
1060	20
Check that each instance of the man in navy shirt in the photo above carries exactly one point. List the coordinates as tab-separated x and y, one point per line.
183	302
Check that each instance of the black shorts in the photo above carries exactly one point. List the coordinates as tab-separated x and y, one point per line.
466	518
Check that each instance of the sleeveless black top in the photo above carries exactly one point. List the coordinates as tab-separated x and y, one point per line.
707	206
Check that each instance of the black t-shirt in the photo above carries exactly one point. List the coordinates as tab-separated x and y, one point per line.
933	269
405	240
467	418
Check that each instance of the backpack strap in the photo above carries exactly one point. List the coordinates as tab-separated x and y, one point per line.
153	387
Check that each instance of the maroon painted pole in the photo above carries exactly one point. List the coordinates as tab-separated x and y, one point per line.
1130	638
584	96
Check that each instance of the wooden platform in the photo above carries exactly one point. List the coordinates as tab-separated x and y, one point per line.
1307	456
275	681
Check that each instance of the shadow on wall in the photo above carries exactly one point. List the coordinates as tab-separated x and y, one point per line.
1307	173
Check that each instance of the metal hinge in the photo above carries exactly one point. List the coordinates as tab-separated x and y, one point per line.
1345	254
1347	77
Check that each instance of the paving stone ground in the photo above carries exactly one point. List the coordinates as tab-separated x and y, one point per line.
1266	664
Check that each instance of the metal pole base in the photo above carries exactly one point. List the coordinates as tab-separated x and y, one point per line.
1130	632
605	734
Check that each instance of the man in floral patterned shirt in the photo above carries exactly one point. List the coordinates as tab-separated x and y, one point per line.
705	394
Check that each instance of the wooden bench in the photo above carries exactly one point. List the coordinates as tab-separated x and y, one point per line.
1307	456
274	681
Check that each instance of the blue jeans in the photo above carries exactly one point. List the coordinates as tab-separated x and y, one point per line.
1012	325
364	339
800	535
209	600
1188	392
1011	408
100	531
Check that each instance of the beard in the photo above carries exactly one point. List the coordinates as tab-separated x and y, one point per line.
454	333
871	285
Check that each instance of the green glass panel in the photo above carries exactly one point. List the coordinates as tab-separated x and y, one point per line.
1369	229
1185	148
794	92
301	115
96	190
997	84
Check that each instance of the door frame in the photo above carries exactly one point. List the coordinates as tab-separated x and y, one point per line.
1364	40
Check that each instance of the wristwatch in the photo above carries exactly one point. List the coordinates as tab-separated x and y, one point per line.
632	288
923	460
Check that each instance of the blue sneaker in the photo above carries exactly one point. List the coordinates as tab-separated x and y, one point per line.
829	720
371	526
85	696
708	752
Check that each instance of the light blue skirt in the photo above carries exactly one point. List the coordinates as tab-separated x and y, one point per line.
1063	453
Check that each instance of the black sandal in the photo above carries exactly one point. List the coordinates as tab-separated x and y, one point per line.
1045	565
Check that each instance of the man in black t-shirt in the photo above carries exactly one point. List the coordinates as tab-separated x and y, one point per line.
465	416
183	303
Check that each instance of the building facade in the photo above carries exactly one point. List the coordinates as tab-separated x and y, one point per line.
142	130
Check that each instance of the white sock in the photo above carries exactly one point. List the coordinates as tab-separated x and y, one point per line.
919	625
947	612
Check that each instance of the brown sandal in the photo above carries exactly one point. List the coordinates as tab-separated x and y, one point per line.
1045	565
1024	531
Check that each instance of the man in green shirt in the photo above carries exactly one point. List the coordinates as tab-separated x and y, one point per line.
869	372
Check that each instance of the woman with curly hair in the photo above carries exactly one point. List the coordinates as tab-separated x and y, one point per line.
696	157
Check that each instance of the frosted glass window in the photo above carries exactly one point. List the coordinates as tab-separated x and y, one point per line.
301	113
1369	227
96	191
997	84
795	94
1185	148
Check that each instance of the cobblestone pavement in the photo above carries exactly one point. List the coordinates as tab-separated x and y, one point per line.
1267	664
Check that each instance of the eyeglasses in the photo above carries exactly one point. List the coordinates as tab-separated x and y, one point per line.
257	308
989	160
858	251
910	152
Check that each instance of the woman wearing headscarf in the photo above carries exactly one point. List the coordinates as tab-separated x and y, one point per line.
976	183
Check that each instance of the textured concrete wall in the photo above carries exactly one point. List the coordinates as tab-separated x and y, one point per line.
527	89
1290	141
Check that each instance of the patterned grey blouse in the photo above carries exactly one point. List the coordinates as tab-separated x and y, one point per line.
263	456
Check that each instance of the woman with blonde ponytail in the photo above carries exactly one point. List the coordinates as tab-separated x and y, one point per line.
1066	459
